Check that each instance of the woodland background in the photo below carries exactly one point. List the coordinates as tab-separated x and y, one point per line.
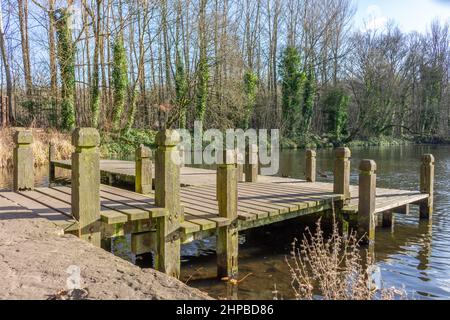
298	65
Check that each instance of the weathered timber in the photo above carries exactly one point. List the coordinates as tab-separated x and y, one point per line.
240	159
310	166
227	236
23	161
143	177
341	184
251	163
366	200
86	183
427	186
51	165
387	219
167	195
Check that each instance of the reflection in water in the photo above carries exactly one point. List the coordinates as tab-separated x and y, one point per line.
415	256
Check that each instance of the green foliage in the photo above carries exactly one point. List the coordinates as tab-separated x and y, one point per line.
114	146
66	57
335	105
132	112
309	93
120	80
202	86
251	90
181	89
292	79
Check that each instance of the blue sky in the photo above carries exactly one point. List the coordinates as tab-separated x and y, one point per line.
409	14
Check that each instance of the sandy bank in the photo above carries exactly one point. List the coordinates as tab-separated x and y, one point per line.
37	262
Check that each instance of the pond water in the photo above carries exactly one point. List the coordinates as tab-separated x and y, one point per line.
416	256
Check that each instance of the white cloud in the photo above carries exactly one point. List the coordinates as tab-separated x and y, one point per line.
374	18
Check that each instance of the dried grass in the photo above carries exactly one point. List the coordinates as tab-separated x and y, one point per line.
333	268
42	139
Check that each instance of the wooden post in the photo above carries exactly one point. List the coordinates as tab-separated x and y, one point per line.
167	195
239	166
342	173
310	167
427	185
143	175
387	219
23	161
182	156
86	183
227	236
51	157
366	201
251	163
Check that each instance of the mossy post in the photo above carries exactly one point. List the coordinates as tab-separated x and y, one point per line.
239	165
366	201
167	195
427	185
227	236
310	166
251	163
86	183
51	157
341	183
143	175
23	161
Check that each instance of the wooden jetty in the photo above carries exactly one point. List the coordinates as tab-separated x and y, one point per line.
188	204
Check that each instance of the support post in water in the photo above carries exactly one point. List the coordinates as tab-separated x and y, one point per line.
341	183
427	185
167	195
310	167
86	183
23	161
51	157
251	163
366	201
227	236
143	175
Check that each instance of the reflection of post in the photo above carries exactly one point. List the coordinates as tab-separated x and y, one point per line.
424	254
427	185
366	201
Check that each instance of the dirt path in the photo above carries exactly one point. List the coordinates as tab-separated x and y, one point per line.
38	262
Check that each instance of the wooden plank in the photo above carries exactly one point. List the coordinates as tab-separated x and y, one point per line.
260	202
244	207
7	207
189	227
210	201
42	210
133	209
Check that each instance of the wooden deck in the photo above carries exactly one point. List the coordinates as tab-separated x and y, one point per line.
197	203
125	171
259	204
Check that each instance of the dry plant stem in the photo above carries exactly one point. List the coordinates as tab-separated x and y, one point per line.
332	268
